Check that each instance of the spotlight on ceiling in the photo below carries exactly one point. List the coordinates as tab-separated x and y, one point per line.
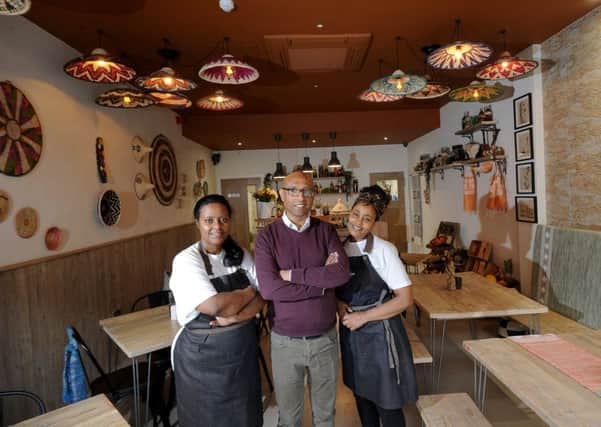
226	5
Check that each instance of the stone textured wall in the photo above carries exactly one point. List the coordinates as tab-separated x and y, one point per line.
572	120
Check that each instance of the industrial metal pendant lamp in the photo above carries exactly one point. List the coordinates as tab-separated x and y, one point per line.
334	164
459	55
99	67
279	173
307	167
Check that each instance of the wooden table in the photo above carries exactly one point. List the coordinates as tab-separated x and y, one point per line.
555	397
479	298
95	411
140	333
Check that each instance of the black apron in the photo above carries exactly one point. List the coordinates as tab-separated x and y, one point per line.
216	368
377	363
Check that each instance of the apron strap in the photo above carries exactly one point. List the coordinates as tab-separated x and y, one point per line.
393	353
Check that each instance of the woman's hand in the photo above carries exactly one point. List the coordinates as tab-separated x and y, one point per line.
343	309
354	320
224	321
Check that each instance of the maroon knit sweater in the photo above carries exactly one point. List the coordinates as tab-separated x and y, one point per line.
306	305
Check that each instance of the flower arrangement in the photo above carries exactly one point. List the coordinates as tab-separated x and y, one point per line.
265	194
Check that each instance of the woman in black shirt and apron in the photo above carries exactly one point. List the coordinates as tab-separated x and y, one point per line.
215	354
377	363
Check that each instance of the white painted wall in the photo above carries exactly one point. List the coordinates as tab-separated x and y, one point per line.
64	186
509	238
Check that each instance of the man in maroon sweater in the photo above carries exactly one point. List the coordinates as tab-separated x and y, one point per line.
299	262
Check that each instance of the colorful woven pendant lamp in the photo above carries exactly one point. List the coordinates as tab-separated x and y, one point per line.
171	100
507	66
165	79
99	67
477	92
459	54
14	7
398	83
125	98
228	70
370	95
219	102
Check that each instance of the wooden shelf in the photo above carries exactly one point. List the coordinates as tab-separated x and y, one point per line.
328	177
486	127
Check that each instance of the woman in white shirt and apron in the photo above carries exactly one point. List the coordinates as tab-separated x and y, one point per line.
215	353
377	363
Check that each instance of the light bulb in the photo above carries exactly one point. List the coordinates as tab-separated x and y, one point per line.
219	98
168	81
476	94
101	62
458	53
229	71
126	100
504	64
399	85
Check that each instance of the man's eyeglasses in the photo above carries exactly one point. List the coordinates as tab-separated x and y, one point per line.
209	220
307	192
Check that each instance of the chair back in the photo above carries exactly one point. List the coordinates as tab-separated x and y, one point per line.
20	393
154	299
83	347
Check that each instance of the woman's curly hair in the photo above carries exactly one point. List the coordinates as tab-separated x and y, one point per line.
374	195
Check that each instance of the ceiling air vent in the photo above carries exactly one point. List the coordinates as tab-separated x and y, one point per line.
333	52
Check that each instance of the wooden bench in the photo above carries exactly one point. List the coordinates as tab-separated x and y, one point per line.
554	323
455	409
421	355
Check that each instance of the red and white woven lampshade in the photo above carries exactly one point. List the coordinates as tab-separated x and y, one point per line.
228	70
370	95
507	67
171	100
219	102
98	67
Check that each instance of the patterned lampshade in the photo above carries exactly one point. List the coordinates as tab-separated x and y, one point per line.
171	100
219	102
431	91
507	67
14	7
98	67
459	55
125	98
399	84
476	92
370	95
228	70
165	80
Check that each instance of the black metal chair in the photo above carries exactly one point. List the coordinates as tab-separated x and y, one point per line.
20	393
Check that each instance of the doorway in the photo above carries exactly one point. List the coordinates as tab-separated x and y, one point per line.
394	184
238	193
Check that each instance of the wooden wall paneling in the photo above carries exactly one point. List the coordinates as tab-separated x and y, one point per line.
40	299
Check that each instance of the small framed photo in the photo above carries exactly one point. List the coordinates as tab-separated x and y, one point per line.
522	111
524	177
525	209
523	145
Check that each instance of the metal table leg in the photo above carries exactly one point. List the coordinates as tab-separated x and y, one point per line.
437	367
136	397
480	373
148	387
534	324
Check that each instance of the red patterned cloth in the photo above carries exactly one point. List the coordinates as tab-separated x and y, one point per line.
578	364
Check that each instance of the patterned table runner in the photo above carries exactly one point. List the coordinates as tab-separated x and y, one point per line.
578	364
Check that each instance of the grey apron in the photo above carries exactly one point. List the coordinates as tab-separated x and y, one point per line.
377	363
216	368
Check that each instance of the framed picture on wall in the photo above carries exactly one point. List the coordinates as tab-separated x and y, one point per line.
525	209
524	177
522	111
523	145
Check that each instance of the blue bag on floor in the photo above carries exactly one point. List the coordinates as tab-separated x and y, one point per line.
74	377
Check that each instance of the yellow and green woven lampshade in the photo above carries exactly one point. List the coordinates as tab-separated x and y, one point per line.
399	84
477	92
507	67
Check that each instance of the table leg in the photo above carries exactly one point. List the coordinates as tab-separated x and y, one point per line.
534	324
148	388
442	339
473	329
480	374
136	397
433	352
437	367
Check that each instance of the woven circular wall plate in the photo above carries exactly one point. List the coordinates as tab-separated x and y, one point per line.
109	208
20	132
163	170
14	7
26	222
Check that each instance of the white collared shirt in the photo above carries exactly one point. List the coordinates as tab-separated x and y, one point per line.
293	226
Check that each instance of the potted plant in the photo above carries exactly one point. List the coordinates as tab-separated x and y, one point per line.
265	197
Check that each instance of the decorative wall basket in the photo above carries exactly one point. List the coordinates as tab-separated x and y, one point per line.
53	238
163	170
14	7
21	142
109	208
26	222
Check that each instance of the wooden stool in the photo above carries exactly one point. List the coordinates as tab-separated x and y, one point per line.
456	409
